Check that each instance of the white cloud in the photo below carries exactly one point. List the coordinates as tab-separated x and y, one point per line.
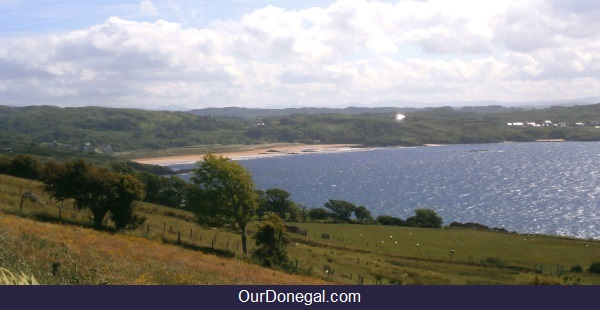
351	51
147	8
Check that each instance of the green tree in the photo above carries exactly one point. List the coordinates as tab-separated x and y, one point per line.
125	189
4	164
390	220
97	189
425	218
318	214
303	210
275	200
173	195
26	166
595	268
272	239
154	186
340	210
361	213
223	193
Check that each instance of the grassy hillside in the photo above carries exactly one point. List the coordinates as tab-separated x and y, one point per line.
34	241
57	246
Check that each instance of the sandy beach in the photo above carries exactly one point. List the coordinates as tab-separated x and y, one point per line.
267	151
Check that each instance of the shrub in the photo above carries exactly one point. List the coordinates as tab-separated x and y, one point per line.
318	214
390	220
577	268
595	268
272	239
426	218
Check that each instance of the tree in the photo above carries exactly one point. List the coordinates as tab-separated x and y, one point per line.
4	164
174	192
154	186
96	189
272	239
390	220
223	194
361	213
303	211
318	214
425	218
340	210
275	200
25	166
125	190
595	268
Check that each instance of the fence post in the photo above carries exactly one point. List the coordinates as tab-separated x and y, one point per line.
164	226
147	229
178	237
191	235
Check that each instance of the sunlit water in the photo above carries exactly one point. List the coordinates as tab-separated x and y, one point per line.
549	188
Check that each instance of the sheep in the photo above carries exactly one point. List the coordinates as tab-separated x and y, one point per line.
34	198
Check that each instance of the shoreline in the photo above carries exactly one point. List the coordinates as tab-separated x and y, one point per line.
261	152
269	150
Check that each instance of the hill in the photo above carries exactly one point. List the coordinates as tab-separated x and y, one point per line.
56	245
250	113
34	241
58	132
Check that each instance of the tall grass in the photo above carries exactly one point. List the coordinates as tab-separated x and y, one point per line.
9	278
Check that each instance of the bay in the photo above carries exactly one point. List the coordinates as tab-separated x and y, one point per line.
539	188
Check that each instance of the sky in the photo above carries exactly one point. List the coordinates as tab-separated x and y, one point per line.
182	54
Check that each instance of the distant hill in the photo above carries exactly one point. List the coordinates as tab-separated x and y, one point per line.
255	113
47	129
250	113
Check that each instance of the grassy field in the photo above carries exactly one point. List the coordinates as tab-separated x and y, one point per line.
57	246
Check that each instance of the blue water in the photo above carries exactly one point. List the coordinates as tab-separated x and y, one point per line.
548	188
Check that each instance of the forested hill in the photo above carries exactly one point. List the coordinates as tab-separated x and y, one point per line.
107	130
250	113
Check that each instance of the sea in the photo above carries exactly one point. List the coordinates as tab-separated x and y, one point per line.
550	188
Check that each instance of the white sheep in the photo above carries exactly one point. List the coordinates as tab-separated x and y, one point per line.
34	198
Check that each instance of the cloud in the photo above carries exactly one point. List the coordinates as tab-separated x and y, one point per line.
147	8
350	51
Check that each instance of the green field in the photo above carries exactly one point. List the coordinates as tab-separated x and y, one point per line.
170	247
